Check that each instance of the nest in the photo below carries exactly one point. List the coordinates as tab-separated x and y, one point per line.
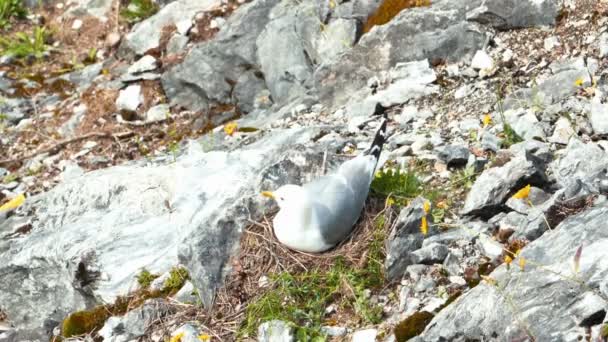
260	255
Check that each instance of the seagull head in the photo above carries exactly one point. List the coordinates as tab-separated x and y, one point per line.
286	194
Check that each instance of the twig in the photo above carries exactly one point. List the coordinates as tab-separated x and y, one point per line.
63	143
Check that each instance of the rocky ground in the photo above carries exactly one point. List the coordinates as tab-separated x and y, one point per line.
142	133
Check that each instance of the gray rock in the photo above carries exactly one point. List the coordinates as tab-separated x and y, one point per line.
493	187
337	37
436	32
187	294
177	43
286	66
158	113
489	141
275	331
530	226
81	79
424	284
488	247
146	63
404	239
139	199
562	132
135	322
96	8
68	129
550	42
549	304
130	98
525	124
433	253
579	161
509	14
146	34
334	331
454	155
211	71
599	117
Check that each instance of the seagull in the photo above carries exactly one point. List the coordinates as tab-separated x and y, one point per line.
318	215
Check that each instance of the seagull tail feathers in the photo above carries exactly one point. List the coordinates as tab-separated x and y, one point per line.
376	148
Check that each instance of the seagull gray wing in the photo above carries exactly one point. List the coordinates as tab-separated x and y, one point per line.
338	198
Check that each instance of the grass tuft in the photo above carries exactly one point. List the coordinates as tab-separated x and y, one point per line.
23	45
396	183
11	9
138	10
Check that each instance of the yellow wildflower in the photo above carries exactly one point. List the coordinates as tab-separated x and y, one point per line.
426	206
13	203
523	192
390	201
204	337
177	337
424	226
522	263
230	128
508	259
332	4
579	82
487	119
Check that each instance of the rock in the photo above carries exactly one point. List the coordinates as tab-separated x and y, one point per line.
112	39
404	239
177	43
443	36
158	113
599	117
275	331
199	82
603	45
368	335
525	124
493	186
433	253
286	67
551	42
464	91
187	294
338	36
454	155
562	131
146	35
125	203
483	312
489	247
482	60
530	226
135	322
129	98
424	284
579	161
146	63
77	24
334	331
68	129
509	14
82	78
96	8
183	26
489	141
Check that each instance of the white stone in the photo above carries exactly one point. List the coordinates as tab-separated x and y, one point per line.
368	335
603	44
129	98
158	113
507	56
77	24
562	132
482	60
183	26
146	63
550	43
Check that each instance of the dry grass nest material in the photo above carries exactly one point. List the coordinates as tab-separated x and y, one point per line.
260	255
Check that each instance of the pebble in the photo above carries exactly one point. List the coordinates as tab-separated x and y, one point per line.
77	24
368	335
130	98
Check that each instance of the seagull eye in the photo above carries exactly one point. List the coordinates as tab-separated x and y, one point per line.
281	198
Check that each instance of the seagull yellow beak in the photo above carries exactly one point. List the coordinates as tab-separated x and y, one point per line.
268	194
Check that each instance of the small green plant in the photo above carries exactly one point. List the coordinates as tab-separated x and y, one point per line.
178	276
11	9
398	184
145	278
302	298
22	45
138	10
